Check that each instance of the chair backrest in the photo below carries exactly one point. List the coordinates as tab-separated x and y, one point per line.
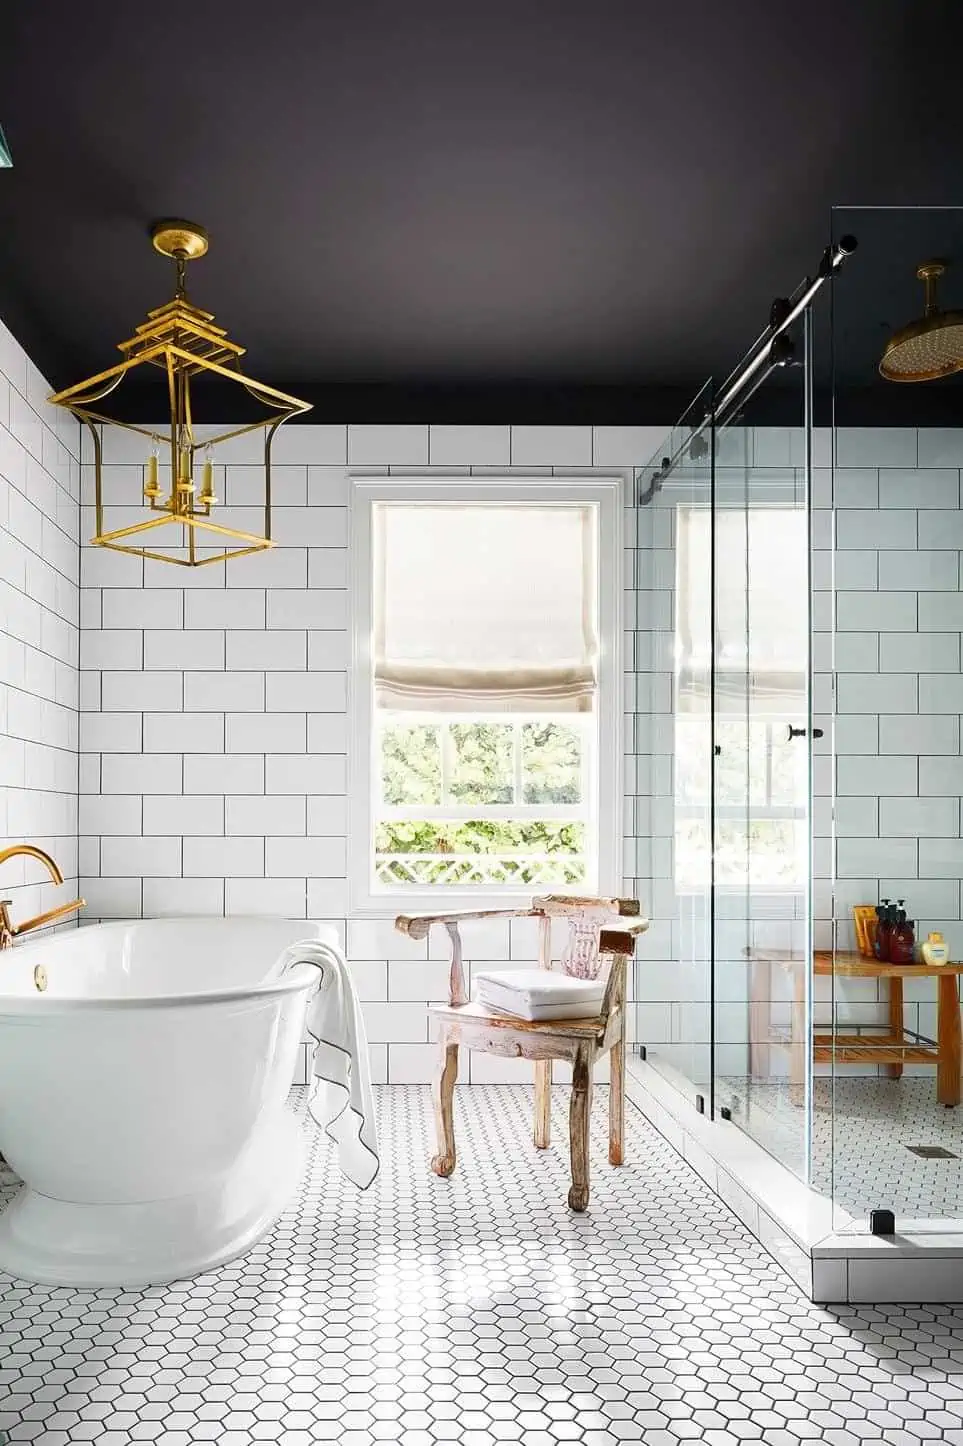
589	939
586	919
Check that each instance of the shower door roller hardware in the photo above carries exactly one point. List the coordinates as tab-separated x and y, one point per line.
717	750
801	733
700	1104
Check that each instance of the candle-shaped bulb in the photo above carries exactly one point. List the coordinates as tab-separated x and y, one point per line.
184	480
207	479
151	489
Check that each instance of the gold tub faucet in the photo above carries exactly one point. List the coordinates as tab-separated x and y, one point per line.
8	929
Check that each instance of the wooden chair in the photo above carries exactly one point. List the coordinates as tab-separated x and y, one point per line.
596	930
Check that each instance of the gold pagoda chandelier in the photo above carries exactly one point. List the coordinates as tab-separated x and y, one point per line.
178	467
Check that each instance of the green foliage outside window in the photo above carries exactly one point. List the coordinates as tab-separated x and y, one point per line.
551	763
482	769
482	764
411	764
480	836
494	767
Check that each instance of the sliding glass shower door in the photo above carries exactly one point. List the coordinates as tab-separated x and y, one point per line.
722	737
761	775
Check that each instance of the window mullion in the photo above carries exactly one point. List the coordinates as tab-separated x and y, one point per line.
446	762
517	760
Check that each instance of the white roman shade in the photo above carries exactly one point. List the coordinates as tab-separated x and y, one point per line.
762	640
484	607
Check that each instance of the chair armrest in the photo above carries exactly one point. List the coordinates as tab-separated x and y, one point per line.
621	940
416	926
571	903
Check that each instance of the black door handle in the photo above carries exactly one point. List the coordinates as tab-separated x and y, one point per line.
801	733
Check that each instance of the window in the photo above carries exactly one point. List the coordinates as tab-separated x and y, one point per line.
484	680
761	655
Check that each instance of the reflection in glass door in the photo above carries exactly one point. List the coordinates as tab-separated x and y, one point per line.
762	786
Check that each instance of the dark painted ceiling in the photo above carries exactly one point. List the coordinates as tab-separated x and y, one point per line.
508	210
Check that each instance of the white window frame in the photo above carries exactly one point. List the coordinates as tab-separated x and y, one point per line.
605	493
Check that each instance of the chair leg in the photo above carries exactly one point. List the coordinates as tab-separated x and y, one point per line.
443	1094
543	1103
616	1102
580	1112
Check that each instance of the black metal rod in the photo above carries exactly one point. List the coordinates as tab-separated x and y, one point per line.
833	257
659	478
760	360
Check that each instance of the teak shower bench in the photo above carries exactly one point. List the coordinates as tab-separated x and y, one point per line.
889	1045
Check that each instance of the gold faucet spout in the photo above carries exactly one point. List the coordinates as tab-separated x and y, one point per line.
33	852
8	929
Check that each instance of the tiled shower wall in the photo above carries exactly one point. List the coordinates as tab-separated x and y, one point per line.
899	690
39	600
888	534
214	727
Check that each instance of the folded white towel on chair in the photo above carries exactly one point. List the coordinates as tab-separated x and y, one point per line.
340	1098
537	994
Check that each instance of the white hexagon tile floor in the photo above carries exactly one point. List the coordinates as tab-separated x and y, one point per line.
479	1311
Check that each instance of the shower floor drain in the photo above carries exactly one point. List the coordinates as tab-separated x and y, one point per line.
932	1152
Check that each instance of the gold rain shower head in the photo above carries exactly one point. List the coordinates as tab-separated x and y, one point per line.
931	347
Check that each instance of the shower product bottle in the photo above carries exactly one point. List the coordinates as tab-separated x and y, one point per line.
902	941
878	937
933	950
884	929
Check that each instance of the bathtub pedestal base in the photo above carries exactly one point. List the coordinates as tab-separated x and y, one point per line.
59	1242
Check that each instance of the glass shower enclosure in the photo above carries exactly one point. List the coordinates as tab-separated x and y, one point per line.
724	745
797	638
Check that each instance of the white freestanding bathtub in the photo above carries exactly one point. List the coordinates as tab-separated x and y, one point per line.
142	1095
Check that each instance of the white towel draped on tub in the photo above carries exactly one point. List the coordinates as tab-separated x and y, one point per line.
340	1097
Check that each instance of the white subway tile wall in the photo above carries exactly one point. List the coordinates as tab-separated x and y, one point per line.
892	668
39	632
898	766
211	739
214	722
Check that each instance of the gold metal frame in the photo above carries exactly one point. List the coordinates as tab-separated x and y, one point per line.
185	343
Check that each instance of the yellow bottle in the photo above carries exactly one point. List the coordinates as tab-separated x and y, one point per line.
934	950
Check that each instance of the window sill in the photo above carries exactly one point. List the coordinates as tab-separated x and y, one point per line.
389	906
